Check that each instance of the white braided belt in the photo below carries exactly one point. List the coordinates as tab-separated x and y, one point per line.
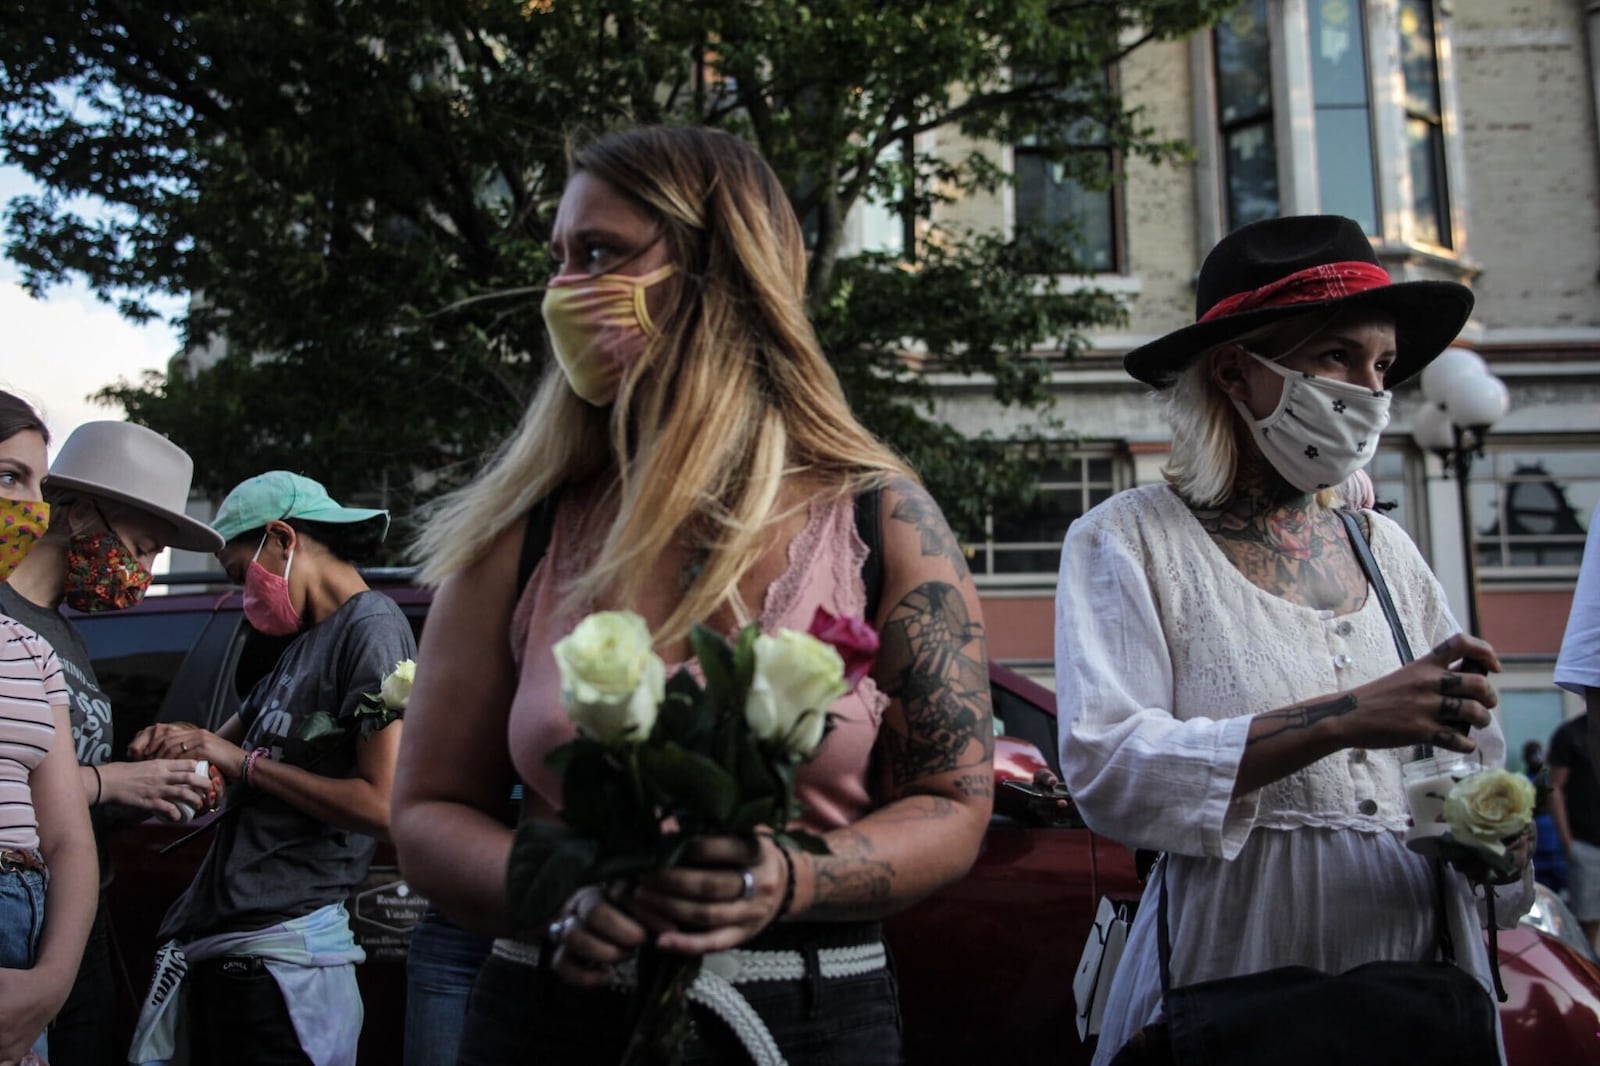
714	986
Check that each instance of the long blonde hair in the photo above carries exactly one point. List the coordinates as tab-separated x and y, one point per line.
733	397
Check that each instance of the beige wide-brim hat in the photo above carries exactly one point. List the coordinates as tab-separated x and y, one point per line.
139	468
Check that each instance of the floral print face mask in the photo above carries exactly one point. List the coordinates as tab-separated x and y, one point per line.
22	523
102	574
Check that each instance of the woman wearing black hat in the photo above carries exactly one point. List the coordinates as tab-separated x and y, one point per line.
1230	688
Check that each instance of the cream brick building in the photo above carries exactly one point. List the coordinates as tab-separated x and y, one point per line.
1462	133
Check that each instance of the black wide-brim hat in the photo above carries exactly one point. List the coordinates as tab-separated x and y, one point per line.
1286	267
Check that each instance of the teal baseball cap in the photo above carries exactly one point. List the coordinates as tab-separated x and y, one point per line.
279	495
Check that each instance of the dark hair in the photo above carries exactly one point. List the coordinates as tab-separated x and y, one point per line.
18	416
349	542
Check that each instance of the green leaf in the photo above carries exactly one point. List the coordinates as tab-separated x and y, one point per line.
716	665
806	841
752	814
597	797
744	659
689	783
318	726
548	863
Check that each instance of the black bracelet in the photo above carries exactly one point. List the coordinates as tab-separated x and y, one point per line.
99	786
788	882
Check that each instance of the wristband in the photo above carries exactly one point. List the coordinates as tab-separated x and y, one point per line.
250	764
788	882
99	786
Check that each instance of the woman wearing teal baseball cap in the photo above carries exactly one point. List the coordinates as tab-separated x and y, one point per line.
262	930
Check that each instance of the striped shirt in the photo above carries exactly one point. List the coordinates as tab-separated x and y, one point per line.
31	686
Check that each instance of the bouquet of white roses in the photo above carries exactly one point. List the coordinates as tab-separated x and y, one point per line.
659	761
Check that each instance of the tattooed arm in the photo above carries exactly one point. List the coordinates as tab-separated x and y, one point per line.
1425	702
935	748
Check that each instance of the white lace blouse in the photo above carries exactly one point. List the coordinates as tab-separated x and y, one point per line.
1164	652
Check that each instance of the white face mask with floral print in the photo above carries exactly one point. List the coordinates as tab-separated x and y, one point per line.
1322	430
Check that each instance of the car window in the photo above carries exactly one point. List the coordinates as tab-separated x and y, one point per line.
136	660
1022	719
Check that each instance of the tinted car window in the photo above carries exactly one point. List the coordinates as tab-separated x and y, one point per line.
1025	721
136	663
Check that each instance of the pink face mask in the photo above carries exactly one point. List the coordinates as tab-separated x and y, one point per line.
267	605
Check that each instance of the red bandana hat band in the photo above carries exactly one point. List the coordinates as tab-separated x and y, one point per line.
1329	281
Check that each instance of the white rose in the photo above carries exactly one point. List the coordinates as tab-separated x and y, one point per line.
396	689
611	680
797	678
1488	807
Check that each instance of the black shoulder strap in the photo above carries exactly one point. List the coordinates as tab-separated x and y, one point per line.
536	538
1380	588
869	527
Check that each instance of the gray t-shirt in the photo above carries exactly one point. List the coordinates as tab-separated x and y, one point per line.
270	861
91	711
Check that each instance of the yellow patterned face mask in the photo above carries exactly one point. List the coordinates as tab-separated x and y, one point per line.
22	523
598	327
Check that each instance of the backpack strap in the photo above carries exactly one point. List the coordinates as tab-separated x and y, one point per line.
536	538
869	527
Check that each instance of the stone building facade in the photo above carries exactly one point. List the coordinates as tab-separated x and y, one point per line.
1462	133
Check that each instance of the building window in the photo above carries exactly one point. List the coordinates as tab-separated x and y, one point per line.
1419	68
1344	122
1024	546
1390	471
1070	194
1244	115
1531	506
1309	119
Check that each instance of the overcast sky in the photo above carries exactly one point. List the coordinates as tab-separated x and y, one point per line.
58	351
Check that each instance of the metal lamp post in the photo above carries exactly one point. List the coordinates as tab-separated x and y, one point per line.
1462	402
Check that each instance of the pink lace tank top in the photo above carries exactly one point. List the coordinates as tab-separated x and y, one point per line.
824	569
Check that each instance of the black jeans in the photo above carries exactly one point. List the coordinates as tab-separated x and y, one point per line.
518	1013
84	1032
237	1016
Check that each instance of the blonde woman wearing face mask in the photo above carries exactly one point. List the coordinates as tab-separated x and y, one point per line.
1231	691
48	879
117	493
706	468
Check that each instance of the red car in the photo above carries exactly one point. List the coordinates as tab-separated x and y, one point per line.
985	965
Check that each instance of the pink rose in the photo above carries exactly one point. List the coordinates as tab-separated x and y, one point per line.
854	640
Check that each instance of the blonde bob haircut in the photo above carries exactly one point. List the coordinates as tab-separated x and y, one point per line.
1207	429
733	397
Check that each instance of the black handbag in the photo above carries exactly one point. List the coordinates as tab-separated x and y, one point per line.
1389	1013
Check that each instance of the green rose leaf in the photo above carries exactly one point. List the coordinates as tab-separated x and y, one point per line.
594	790
689	783
809	843
318	725
716	664
548	863
744	659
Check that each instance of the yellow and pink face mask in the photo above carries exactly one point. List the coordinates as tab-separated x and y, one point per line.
598	328
22	523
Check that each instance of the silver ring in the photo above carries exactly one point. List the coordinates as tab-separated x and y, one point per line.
748	889
558	929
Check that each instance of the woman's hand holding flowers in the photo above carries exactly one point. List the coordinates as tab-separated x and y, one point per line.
702	905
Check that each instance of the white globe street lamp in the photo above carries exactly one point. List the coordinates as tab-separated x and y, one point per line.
1461	402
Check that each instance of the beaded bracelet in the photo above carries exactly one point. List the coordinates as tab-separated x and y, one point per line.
99	785
788	882
250	764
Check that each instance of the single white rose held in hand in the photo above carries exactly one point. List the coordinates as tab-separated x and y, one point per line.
797	678
1489	807
612	681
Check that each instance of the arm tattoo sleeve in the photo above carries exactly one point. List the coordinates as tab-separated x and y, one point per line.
932	662
1296	718
916	508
